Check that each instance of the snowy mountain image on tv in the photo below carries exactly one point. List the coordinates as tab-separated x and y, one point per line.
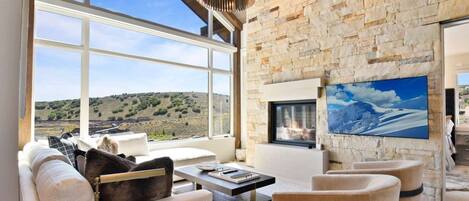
395	108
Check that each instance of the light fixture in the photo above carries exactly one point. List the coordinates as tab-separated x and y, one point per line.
227	5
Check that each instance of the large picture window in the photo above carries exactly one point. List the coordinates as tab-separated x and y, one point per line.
95	75
463	99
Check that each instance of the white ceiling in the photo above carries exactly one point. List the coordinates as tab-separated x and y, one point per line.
457	40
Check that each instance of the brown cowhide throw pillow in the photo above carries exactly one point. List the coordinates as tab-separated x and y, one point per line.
154	188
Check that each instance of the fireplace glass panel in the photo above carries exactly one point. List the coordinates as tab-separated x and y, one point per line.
294	122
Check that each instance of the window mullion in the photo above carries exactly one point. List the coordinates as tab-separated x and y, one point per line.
231	96
85	62
210	93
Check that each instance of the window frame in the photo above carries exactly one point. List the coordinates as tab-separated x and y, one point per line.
87	13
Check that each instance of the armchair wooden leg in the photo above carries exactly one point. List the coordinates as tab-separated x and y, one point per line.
253	195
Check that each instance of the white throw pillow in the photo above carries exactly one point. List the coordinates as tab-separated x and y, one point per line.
30	150
44	155
133	144
86	143
58	181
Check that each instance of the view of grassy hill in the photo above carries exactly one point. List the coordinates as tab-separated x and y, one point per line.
163	116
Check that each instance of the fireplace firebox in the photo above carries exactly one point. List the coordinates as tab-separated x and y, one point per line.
293	123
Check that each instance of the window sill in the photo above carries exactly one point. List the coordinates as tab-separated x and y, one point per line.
192	139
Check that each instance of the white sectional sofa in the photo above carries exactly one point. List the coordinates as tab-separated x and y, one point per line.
46	174
137	145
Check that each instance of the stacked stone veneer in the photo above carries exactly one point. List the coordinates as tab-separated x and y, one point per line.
351	41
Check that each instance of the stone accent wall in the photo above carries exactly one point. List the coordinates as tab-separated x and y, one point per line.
351	41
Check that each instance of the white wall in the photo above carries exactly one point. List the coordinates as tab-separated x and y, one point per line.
10	33
455	64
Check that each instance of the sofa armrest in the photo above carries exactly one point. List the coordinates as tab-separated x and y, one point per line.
126	176
361	171
317	196
199	195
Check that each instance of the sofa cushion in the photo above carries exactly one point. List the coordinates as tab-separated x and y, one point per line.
154	188
44	155
133	145
27	186
59	181
86	143
180	156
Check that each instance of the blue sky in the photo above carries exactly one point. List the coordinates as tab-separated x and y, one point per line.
463	78
57	72
384	93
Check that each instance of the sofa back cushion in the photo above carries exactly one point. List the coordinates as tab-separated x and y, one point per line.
43	155
133	144
86	143
31	149
59	181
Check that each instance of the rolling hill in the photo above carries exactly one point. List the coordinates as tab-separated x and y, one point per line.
163	116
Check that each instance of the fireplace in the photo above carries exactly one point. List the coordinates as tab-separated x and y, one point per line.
293	123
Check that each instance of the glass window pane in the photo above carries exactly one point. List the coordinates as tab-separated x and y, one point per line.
463	78
56	92
120	40
221	104
220	32
185	15
166	102
57	27
221	60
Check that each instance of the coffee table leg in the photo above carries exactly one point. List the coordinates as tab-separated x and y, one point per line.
253	195
197	186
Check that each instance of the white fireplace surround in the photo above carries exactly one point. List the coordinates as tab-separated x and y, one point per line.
277	159
293	90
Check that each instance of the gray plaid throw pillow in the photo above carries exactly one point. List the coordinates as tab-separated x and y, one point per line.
65	146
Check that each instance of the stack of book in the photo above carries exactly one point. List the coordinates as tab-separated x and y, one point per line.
233	175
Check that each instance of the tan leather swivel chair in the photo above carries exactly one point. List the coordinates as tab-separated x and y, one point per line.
347	188
408	171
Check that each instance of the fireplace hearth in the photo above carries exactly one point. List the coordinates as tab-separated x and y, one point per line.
293	123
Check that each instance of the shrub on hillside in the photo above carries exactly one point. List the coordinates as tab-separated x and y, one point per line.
117	110
160	111
40	106
56	104
75	103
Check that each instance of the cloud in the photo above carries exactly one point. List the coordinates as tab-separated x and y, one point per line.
121	40
366	93
337	101
337	96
